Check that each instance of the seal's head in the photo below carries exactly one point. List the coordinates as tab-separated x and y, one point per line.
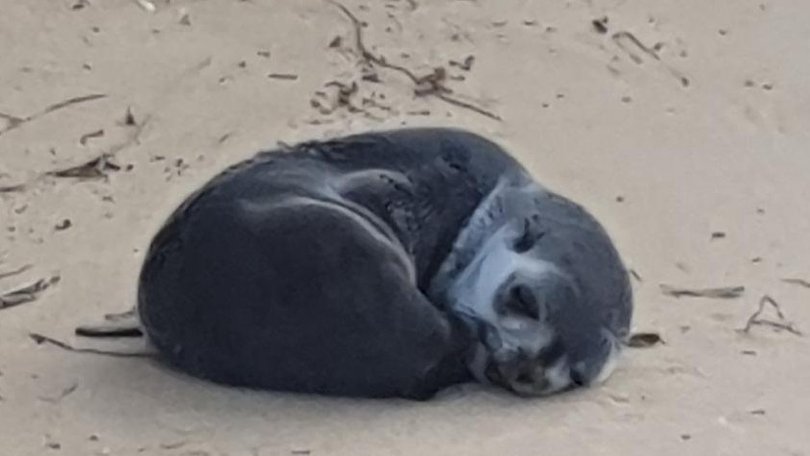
545	290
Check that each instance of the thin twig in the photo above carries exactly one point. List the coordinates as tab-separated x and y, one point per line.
125	315
71	101
364	52
783	324
40	339
430	84
716	293
800	282
13	272
62	394
16	122
12	188
617	37
464	104
9	117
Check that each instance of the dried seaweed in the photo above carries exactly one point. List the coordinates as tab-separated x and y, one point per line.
27	293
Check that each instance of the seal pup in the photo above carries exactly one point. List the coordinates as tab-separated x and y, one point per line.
384	264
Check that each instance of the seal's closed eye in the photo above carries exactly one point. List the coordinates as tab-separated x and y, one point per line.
527	239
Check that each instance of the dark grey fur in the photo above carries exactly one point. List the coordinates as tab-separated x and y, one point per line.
336	267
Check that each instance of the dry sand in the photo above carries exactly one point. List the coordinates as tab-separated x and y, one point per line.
704	132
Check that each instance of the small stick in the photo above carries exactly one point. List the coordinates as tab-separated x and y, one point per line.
12	188
283	76
716	293
16	122
93	134
432	80
464	104
754	319
126	315
799	282
20	270
624	34
63	394
40	339
71	101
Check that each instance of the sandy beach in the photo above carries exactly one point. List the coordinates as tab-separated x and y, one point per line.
682	125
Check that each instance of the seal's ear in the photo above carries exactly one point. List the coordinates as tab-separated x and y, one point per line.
527	237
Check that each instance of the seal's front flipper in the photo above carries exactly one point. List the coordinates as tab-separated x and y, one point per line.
124	324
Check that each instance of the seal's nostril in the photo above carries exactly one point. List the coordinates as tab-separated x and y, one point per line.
577	377
491	373
524	377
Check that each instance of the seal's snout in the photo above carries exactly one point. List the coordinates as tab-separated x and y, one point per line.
530	376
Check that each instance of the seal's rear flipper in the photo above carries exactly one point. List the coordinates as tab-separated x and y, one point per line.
125	324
